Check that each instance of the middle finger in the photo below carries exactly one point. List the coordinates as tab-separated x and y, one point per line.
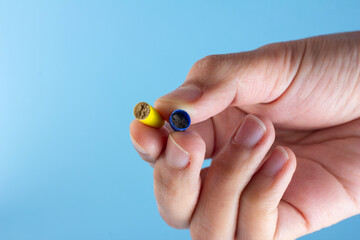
216	213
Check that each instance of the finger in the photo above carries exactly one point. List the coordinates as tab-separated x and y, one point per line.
258	211
177	179
215	216
218	81
148	141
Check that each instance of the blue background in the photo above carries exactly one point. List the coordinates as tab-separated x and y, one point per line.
70	74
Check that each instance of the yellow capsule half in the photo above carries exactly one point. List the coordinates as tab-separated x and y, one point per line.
148	115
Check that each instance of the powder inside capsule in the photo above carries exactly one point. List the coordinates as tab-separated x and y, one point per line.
179	120
142	110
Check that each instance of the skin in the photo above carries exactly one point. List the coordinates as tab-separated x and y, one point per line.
307	95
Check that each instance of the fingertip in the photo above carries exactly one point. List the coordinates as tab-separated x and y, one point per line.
281	162
189	140
202	106
181	98
266	123
166	107
272	179
148	141
289	152
184	149
291	164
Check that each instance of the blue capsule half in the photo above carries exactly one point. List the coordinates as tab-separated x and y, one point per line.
179	120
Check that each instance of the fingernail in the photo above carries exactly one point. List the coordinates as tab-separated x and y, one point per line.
175	156
185	94
250	132
137	146
275	162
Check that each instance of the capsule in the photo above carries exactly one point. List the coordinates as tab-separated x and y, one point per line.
179	120
148	115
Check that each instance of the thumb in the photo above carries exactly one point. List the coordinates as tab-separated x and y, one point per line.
219	81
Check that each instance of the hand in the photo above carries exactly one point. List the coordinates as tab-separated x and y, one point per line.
310	90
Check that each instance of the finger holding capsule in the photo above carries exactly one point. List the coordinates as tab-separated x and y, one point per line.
149	140
149	121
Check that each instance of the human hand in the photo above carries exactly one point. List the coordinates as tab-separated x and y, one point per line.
310	90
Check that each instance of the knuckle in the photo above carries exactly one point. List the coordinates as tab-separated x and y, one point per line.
206	67
213	69
208	62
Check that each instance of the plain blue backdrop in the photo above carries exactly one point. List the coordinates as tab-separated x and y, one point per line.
70	75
